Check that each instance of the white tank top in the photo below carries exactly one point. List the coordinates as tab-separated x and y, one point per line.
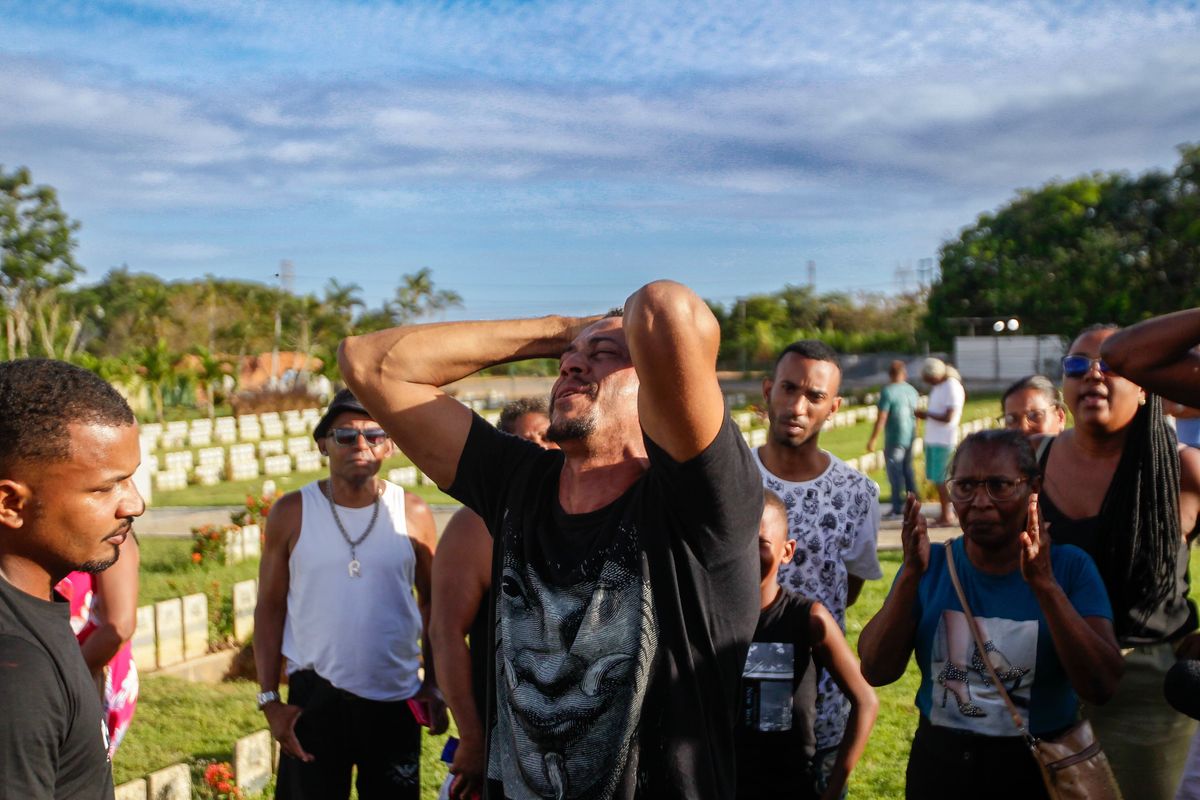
360	634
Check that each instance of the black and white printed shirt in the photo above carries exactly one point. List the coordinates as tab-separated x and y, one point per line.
834	520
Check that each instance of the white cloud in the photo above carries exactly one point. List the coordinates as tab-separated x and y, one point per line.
185	251
765	118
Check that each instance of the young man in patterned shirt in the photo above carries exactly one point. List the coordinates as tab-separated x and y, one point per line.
833	510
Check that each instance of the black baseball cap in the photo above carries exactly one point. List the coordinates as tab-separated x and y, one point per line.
342	401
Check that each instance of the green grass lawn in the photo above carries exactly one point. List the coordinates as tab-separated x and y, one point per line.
197	723
880	773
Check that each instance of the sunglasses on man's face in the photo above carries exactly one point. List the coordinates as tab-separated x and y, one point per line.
348	437
1078	366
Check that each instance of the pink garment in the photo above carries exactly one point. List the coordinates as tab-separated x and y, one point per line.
120	691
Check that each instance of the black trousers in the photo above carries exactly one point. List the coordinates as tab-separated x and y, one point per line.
946	763
342	730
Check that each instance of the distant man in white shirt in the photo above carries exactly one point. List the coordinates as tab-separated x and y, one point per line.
946	400
335	598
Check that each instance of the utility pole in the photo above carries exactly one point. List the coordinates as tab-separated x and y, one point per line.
812	275
287	277
925	272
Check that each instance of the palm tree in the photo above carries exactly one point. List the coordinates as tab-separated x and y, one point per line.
416	297
156	365
209	368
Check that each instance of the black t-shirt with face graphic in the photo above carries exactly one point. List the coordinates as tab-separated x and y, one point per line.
619	635
52	734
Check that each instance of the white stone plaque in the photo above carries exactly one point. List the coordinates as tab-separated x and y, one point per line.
195	625
252	761
245	597
168	631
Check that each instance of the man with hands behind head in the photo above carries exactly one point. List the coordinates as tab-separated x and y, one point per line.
625	566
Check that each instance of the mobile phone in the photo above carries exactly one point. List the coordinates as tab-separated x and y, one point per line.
418	711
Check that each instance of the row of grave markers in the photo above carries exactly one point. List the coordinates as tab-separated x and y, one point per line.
172	631
229	429
209	466
254	760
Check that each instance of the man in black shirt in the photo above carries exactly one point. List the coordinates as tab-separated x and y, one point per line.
68	450
625	565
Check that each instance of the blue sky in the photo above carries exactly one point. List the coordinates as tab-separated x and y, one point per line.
551	157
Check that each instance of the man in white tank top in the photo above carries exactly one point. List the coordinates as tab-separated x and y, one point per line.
336	603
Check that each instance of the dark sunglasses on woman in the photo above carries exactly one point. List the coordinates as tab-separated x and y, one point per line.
1078	366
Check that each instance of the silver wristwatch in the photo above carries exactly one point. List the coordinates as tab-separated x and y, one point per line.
266	697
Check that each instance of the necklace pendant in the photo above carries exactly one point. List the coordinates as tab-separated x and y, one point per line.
355	572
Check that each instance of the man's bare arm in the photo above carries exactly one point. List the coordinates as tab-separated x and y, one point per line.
1159	355
673	338
880	421
461	579
270	612
396	373
117	592
423	533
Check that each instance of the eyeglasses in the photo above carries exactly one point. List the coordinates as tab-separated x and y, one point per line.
348	437
999	489
1033	417
1078	366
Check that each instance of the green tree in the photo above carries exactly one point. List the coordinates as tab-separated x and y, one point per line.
37	259
156	365
1100	248
210	369
416	297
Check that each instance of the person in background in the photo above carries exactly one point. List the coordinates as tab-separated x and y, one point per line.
68	450
833	510
1117	485
103	616
1033	406
1047	630
795	635
898	421
946	400
462	580
343	596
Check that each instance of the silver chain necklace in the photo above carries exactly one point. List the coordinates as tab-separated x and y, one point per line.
354	567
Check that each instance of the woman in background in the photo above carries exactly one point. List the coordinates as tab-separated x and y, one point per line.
103	616
1046	622
1033	406
1116	485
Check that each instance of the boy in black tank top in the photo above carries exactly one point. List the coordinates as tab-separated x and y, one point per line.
794	638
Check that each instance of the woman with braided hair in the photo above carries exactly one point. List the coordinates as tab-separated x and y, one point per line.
1117	486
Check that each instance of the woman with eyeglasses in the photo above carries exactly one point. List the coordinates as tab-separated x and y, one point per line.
1116	486
1033	406
1045	619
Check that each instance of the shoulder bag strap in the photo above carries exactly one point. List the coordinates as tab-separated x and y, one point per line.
983	656
1043	452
